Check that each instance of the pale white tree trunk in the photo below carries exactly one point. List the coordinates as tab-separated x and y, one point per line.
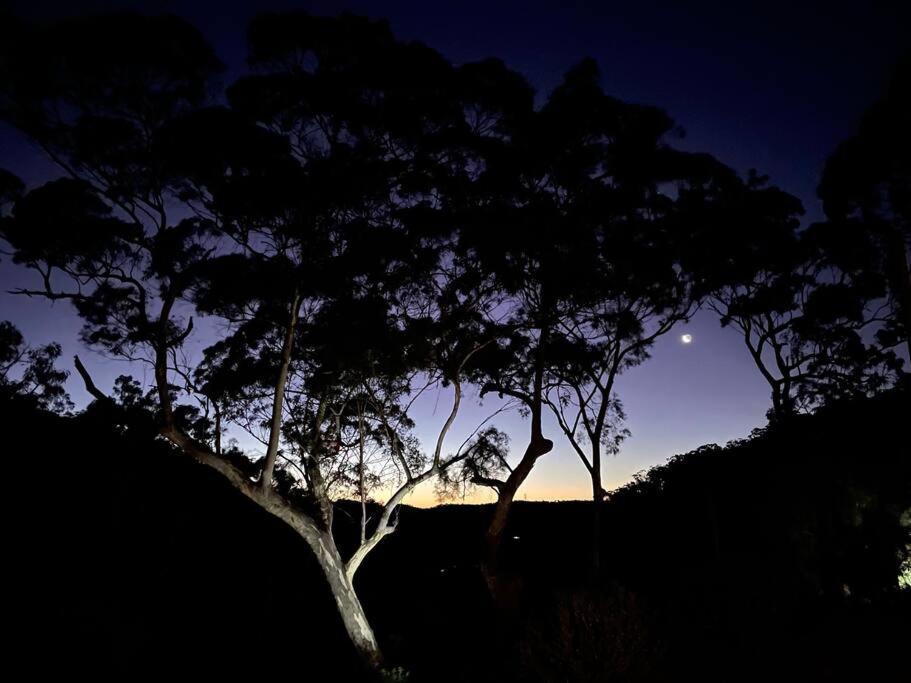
278	402
349	606
316	532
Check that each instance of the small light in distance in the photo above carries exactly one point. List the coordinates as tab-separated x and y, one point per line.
686	338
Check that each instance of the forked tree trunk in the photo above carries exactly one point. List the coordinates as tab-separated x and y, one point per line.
349	605
339	577
315	531
318	539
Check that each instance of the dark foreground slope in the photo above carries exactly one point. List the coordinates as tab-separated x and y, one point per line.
776	557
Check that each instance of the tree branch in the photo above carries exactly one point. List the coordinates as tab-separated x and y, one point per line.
89	383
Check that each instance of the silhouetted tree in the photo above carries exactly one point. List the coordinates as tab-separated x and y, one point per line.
584	237
637	286
805	321
30	372
866	194
307	217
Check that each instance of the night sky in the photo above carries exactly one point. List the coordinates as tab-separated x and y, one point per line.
771	85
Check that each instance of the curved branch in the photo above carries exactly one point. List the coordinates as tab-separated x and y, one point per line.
489	482
506	391
89	383
383	526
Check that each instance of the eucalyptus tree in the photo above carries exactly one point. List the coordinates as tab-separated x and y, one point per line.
98	120
586	239
808	323
639	293
30	372
307	223
866	194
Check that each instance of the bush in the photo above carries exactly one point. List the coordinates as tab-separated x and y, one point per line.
584	635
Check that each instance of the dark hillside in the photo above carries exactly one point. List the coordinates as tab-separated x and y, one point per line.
777	555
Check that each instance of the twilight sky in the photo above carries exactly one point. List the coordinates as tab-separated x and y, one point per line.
771	85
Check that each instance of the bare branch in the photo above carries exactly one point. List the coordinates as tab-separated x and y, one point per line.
89	383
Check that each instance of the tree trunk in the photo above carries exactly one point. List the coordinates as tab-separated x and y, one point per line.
349	605
279	398
317	538
597	500
506	494
537	446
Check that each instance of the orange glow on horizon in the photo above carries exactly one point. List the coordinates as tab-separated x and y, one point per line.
424	496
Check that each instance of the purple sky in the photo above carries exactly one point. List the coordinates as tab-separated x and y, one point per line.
768	85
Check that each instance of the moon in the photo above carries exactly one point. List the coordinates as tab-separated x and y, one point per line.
686	338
